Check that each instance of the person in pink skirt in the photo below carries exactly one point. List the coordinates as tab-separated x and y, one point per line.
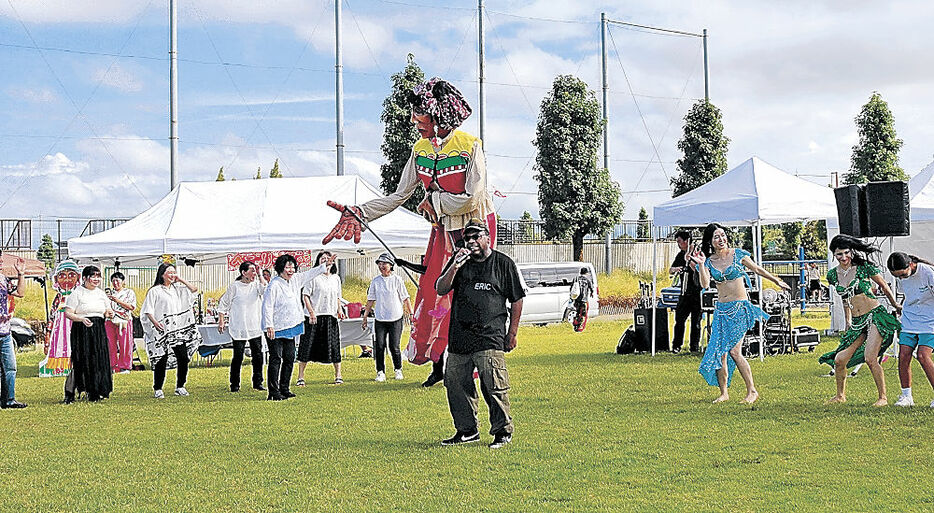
120	327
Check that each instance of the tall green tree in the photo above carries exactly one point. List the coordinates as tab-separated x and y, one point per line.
704	147
274	172
220	175
643	231
46	251
575	197
259	173
399	134
875	156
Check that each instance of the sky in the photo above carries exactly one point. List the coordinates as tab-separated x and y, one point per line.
85	89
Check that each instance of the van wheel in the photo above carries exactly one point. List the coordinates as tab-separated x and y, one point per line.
569	315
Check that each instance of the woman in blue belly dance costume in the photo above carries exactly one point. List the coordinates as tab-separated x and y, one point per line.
870	327
733	315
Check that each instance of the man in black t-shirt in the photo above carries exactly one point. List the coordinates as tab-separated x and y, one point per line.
689	304
483	281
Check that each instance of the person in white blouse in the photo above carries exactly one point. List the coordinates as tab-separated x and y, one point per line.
283	320
169	323
321	342
87	306
242	304
388	299
120	328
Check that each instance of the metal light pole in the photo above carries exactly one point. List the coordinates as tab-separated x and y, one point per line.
482	69
173	94
606	123
339	86
706	76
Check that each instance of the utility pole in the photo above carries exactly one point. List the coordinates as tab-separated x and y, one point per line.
339	86
606	123
173	94
706	76
482	68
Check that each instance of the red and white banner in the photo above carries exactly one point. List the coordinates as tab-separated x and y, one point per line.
265	259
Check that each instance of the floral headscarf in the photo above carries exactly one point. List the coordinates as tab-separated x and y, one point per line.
443	102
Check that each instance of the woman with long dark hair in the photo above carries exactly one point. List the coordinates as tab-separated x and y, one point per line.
169	327
733	314
917	333
242	304
283	320
321	341
869	326
87	306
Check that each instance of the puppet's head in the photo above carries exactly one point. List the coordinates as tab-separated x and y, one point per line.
66	277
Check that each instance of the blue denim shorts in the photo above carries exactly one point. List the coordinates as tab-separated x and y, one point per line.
913	340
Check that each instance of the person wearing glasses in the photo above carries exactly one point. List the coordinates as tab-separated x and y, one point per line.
487	297
87	307
449	166
870	327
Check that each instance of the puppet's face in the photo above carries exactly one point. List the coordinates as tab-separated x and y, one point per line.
66	280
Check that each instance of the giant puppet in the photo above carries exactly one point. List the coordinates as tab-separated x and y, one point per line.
449	164
58	355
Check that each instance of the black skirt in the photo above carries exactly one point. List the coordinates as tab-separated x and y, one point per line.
90	359
321	341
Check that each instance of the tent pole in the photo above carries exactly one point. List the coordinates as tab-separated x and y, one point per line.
654	281
758	239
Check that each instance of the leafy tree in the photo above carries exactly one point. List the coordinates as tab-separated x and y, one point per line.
220	175
399	134
274	172
575	197
46	251
527	229
259	173
704	147
814	239
643	231
875	156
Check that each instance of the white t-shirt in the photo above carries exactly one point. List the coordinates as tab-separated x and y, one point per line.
87	302
918	310
388	292
325	294
242	303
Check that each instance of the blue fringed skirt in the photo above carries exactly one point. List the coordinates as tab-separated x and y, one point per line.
731	321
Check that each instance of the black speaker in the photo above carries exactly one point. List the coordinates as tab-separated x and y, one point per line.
851	210
642	320
887	209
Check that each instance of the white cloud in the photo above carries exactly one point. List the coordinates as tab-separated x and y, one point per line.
37	95
119	78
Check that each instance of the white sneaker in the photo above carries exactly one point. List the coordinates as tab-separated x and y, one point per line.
380	376
182	392
399	374
905	400
125	371
159	394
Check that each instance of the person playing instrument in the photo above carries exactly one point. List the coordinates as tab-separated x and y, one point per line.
869	326
733	314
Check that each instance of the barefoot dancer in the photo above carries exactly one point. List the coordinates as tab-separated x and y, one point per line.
733	315
869	326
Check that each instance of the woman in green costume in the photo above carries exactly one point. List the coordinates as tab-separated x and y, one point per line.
869	326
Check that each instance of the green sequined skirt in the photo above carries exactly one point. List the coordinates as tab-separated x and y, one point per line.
885	322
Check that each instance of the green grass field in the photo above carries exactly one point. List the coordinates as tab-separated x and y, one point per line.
594	432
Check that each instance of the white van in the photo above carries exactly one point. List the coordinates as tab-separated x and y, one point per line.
548	291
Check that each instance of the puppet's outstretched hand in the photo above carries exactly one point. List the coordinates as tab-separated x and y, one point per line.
347	226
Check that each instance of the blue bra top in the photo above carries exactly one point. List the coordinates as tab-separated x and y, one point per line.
733	271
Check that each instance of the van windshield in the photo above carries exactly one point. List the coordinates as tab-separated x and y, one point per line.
550	276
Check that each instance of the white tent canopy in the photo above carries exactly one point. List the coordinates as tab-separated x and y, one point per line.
753	192
204	219
921	194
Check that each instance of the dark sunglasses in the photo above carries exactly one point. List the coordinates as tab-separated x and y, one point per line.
473	236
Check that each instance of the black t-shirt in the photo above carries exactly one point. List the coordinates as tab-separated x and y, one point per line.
690	281
478	303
